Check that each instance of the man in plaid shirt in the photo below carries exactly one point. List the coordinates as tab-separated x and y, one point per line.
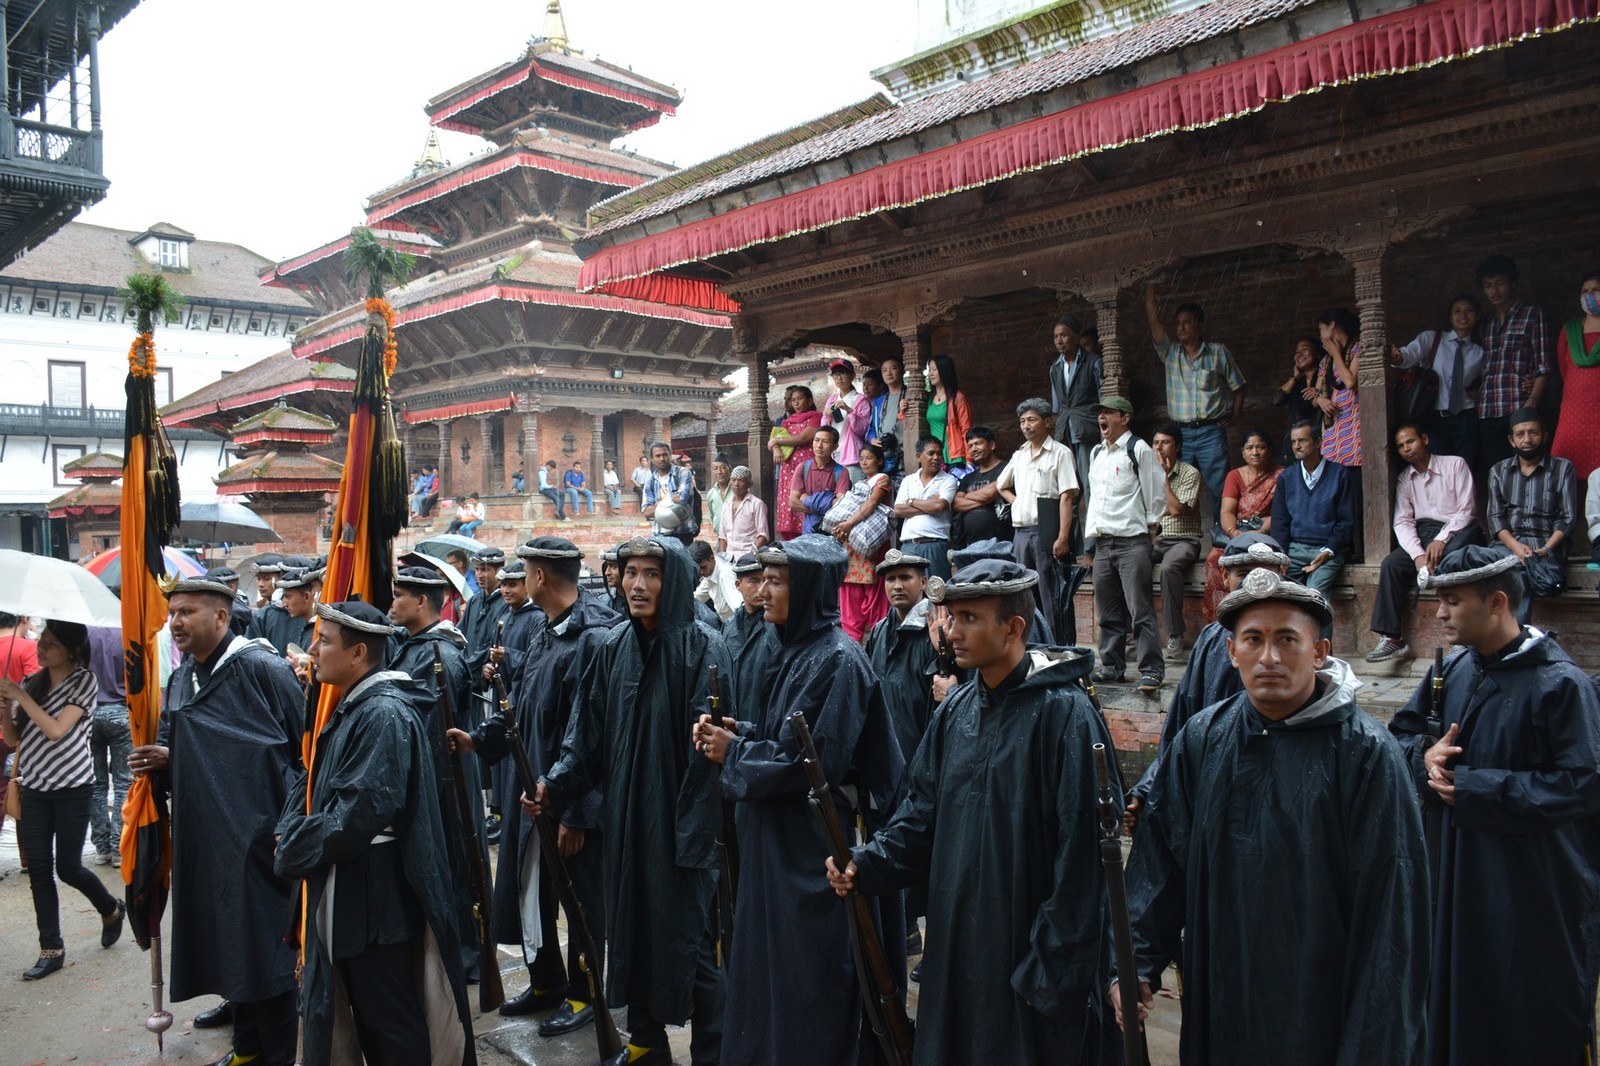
1517	363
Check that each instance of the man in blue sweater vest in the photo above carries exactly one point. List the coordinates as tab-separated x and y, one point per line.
1313	512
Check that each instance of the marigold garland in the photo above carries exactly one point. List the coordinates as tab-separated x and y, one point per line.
142	356
377	305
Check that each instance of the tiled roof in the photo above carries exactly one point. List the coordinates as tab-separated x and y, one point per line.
282	466
95	464
278	371
97	496
286	418
1154	38
600	70
624	202
597	153
97	256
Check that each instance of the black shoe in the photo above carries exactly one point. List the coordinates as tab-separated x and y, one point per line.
916	974
491	828
656	1056
914	942
216	1017
111	925
47	965
531	1002
566	1020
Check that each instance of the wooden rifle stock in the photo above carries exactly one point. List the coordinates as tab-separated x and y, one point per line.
1133	1046
727	848
605	1027
880	992
491	993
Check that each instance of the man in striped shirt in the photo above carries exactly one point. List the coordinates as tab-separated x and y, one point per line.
1517	364
1533	501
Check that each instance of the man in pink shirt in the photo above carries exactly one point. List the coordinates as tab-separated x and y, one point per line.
1434	509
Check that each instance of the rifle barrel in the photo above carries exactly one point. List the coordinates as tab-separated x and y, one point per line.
491	992
1133	1046
885	1009
589	959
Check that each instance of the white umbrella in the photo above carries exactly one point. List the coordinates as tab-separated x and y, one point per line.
222	522
451	574
53	588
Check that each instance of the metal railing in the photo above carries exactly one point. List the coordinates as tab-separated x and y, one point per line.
29	420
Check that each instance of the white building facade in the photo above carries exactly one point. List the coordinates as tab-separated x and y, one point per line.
64	336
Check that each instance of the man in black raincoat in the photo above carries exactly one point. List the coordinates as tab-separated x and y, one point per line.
1209	676
999	819
1281	840
900	652
549	687
291	621
791	993
522	618
1039	630
240	616
750	641
382	963
631	738
1512	791
229	748
479	626
418	597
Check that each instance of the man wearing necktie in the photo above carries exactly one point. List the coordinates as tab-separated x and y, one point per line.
1455	355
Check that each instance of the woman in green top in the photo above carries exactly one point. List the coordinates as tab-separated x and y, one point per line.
948	417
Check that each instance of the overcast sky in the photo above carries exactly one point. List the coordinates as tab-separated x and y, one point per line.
269	125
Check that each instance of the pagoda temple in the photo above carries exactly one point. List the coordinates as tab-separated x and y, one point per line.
286	484
503	363
93	510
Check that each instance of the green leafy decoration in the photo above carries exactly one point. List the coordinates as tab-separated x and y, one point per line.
381	265
150	295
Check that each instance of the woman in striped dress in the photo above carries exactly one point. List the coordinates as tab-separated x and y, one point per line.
47	719
1341	339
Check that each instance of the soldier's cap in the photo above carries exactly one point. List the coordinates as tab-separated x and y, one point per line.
549	548
222	574
987	577
896	558
357	615
277	566
488	557
1253	549
979	550
512	571
1114	403
609	556
1469	565
420	577
201	585
772	555
1264	586
641	547
298	579
746	564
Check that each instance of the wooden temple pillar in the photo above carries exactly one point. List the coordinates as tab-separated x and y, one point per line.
486	483
660	430
914	355
711	445
597	457
447	466
1113	376
529	409
1372	385
760	384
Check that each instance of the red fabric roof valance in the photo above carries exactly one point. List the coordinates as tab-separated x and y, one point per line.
457	410
1404	40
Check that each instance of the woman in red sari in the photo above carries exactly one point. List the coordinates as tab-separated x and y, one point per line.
1246	508
1578	355
799	426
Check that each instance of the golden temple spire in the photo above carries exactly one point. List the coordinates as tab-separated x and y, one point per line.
432	157
555	27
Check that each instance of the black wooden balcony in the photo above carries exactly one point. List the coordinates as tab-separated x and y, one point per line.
93	423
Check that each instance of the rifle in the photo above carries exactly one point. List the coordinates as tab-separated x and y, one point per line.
727	848
589	960
1435	720
1133	1047
491	993
880	994
947	658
